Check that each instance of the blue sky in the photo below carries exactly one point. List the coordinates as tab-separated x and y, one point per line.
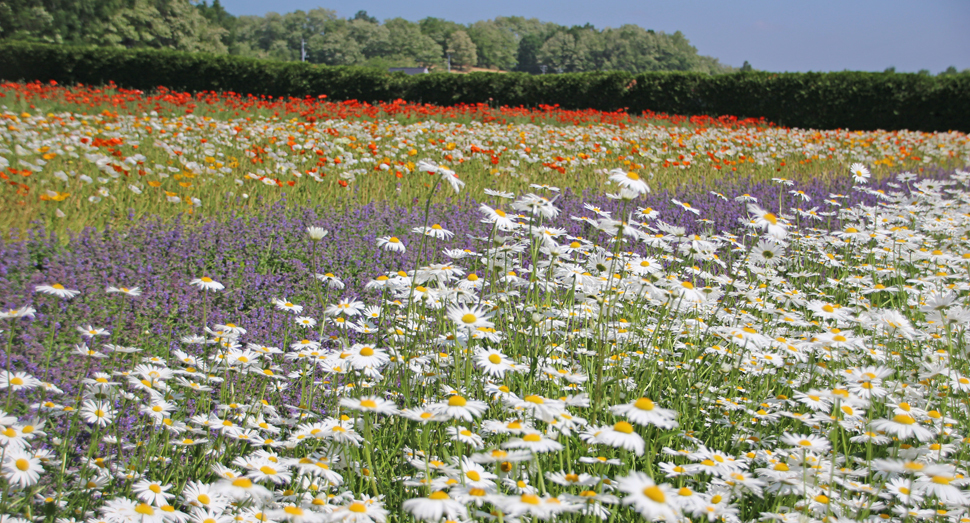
773	35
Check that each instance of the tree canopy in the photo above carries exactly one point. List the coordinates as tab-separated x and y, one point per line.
511	43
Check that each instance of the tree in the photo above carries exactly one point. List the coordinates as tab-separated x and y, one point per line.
591	47
628	48
264	37
219	17
362	15
521	27
746	67
496	46
374	40
334	48
22	21
527	54
506	43
408	44
299	27
171	24
439	30
462	49
562	53
675	53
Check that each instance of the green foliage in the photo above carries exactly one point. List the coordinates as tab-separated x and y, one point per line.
861	101
318	36
462	50
496	46
166	24
439	30
408	42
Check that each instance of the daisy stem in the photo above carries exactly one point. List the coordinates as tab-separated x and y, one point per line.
205	310
368	442
50	342
9	369
72	426
601	349
542	479
417	263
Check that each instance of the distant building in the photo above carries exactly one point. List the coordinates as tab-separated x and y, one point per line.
409	70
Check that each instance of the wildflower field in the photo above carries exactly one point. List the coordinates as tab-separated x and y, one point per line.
221	308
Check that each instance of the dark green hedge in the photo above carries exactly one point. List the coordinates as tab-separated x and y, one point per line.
851	100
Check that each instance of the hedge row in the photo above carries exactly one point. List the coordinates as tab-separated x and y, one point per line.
852	100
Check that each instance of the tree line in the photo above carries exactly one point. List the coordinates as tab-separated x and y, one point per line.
319	36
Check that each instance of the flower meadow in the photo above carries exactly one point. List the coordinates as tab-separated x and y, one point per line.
586	343
81	156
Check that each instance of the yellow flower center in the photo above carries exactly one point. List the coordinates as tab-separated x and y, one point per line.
469	318
644	404
22	464
358	508
654	493
904	419
457	401
623	427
